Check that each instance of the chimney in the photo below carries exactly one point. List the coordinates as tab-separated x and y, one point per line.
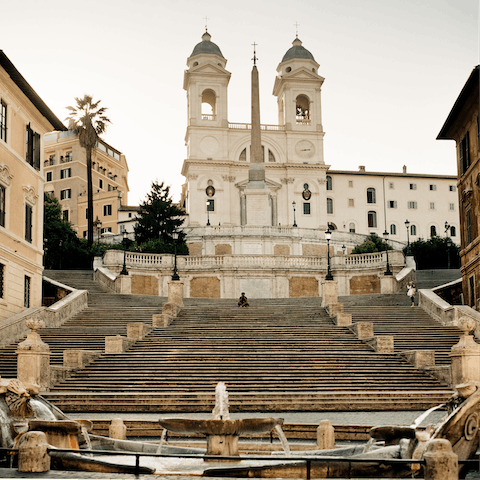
361	168
404	169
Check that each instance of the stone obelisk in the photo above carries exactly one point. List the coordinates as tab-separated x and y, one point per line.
257	195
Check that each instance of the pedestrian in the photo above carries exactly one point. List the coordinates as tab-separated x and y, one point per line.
243	301
411	290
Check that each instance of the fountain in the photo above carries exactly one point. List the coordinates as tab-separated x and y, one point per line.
222	433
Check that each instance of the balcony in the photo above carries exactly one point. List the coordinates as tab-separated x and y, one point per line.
206	116
248	126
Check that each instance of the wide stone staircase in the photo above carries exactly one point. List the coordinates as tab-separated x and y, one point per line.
277	355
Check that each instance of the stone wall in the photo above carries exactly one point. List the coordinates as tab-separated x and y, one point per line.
223	249
364	284
144	285
194	248
303	287
281	250
205	287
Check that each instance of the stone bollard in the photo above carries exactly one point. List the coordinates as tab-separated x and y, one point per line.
420	359
363	330
117	429
382	343
32	453
33	357
343	319
117	344
123	284
329	292
325	435
79	358
175	292
138	330
465	355
440	461
170	309
334	309
161	320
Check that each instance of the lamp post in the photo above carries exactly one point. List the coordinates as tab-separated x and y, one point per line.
124	269
328	236
344	249
449	245
175	273
294	219
387	271
447	227
407	224
208	213
99	229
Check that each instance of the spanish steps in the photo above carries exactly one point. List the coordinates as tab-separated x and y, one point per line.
276	355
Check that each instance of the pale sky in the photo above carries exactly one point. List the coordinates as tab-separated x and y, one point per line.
392	68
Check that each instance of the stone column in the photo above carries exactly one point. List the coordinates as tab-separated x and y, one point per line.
329	292
441	463
465	355
325	435
175	292
33	357
32	453
117	429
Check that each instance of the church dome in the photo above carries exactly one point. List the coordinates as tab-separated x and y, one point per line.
297	51
206	46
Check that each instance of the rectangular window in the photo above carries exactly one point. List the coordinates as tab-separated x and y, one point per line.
49	176
472	291
433	187
26	292
65	215
65	194
452	206
452	188
392	204
3	121
469	226
107	210
28	222
68	157
100	183
66	173
306	209
2	205
372	219
2	280
210	205
413	186
351	202
109	188
393	229
350	184
412	205
51	160
86	213
105	230
432	205
330	206
84	234
32	154
464	153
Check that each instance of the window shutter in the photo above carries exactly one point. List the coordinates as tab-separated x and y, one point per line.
36	151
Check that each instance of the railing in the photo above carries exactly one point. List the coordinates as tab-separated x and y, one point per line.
248	126
303	120
206	116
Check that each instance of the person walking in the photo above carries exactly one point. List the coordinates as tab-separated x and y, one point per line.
411	290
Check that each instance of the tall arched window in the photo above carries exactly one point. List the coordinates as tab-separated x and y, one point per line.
209	100
433	231
393	229
413	230
453	232
371	195
372	219
329	205
303	110
351	227
329	183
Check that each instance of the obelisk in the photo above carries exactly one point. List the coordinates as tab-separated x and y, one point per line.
257	196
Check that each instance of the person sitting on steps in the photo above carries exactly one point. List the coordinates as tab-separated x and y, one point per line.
243	302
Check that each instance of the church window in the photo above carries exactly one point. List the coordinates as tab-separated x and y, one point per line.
330	205
371	197
288	69
209	100
393	229
303	110
306	209
271	156
195	64
372	219
243	155
351	227
329	183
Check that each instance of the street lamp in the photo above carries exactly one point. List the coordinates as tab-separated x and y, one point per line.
175	273
449	245
124	269
407	224
294	220
328	236
208	213
99	229
447	226
387	271
344	249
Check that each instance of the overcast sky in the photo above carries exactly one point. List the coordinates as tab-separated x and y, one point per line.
392	68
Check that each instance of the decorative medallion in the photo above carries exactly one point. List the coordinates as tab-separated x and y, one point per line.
471	426
305	149
210	191
306	194
30	194
5	175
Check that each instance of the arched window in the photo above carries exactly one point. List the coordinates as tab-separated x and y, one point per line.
371	195
393	229
303	110
453	232
372	219
351	227
433	231
329	205
243	155
329	183
413	230
332	227
271	156
268	155
209	100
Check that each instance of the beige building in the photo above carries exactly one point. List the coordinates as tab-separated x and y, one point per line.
24	119
66	178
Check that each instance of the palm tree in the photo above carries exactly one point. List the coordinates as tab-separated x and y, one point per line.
88	121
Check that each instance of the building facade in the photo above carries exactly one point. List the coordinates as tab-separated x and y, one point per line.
24	119
463	126
66	178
